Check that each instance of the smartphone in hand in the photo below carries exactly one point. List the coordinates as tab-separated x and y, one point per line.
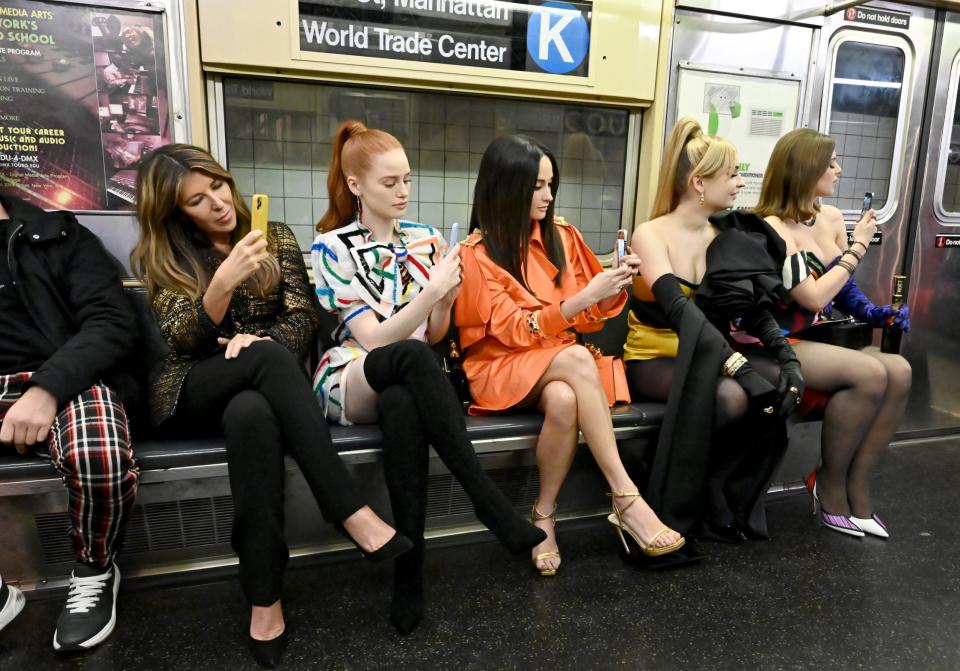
867	203
620	248
454	236
259	210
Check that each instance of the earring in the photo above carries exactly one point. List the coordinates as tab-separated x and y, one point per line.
701	199
358	205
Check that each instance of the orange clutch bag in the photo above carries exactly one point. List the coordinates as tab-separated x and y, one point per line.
613	376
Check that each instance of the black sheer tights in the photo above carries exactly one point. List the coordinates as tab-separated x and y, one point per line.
650	380
855	431
734	479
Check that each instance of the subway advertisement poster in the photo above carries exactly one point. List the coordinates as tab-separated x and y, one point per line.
83	96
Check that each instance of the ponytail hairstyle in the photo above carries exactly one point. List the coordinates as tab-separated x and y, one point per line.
501	204
689	153
798	161
354	146
170	253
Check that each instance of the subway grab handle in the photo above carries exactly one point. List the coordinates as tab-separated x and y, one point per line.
828	9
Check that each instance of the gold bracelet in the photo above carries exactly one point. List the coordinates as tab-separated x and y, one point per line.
533	325
733	363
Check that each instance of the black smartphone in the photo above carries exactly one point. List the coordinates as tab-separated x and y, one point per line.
867	203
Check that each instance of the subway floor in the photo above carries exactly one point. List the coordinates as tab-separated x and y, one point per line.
808	598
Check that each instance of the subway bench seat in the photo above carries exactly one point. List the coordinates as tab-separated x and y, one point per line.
183	515
182	519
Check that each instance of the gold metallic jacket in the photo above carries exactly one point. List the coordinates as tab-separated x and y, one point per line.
289	315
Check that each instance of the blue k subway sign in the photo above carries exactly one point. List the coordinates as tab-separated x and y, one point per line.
526	35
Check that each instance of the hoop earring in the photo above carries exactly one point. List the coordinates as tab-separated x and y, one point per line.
701	199
359	207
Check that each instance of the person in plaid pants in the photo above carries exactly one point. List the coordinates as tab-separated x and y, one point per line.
66	330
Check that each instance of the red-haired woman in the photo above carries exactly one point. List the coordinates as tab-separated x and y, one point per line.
390	285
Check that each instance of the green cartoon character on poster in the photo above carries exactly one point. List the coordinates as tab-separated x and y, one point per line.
720	99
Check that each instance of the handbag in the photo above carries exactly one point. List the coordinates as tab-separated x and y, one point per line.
452	362
613	376
840	332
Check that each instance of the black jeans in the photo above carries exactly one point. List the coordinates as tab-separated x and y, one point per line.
263	403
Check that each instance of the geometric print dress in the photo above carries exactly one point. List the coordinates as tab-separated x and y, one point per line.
355	274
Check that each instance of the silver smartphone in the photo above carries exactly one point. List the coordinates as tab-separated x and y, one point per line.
867	203
454	236
620	248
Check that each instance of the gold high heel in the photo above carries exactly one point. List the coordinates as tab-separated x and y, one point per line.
616	519
536	516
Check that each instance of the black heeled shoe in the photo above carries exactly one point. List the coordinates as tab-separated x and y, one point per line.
722	533
393	548
268	653
407	608
749	533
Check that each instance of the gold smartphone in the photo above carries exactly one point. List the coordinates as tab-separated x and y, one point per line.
259	210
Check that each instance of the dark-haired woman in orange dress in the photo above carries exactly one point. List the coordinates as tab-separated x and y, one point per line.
528	279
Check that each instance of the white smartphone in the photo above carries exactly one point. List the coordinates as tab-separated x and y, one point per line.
259	213
620	248
454	236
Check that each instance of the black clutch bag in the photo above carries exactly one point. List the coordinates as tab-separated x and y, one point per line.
842	333
452	366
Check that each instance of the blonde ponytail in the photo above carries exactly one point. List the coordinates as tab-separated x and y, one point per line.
688	152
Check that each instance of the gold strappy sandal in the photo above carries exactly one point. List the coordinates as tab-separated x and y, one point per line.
616	519
535	516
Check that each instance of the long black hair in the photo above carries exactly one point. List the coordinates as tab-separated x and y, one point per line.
501	204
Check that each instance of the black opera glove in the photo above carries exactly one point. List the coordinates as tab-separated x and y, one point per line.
763	326
671	298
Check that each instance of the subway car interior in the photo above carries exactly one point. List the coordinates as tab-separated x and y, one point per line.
90	90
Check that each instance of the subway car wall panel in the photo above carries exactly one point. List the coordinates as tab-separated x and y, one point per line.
779	495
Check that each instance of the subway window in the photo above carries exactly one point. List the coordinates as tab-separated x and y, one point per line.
863	118
950	200
278	142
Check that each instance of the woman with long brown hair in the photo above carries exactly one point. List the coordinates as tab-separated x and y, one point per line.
386	279
529	281
868	389
238	313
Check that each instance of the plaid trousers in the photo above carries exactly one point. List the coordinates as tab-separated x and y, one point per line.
89	445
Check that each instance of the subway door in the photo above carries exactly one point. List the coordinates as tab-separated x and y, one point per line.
869	83
933	346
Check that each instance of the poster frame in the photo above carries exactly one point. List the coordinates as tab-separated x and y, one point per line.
748	73
172	17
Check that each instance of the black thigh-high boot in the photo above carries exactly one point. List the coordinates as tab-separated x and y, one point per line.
405	462
412	364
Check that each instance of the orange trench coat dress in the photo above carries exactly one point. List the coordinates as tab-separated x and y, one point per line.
509	335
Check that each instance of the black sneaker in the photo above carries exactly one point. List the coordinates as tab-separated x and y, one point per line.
11	603
91	611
